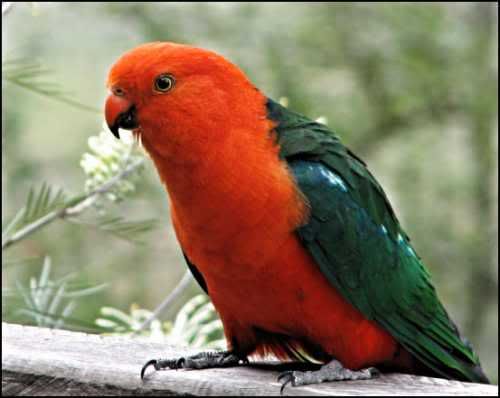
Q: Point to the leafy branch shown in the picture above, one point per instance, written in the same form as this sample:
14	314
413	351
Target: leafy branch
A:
50	302
126	230
27	74
32	76
110	167
195	325
71	208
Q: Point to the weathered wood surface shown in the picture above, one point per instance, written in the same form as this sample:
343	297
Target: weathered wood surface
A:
39	361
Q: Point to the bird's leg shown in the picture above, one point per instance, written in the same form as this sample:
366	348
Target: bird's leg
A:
203	360
332	371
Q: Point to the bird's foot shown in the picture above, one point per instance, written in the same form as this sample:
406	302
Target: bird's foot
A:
332	371
203	360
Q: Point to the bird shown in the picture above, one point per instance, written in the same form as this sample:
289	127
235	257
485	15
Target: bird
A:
285	228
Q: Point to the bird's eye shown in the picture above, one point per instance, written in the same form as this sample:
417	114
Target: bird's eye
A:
118	91
164	83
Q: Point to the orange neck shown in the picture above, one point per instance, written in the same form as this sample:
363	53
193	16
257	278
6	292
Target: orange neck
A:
223	190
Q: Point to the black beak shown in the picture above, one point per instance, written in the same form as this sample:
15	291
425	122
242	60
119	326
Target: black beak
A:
126	120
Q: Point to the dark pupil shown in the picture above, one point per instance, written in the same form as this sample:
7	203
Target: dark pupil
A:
163	83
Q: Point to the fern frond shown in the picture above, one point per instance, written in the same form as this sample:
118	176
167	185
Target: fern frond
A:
9	262
73	290
127	230
49	302
42	202
39	204
12	225
28	74
60	320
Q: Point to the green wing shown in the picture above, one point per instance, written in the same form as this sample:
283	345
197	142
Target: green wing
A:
357	242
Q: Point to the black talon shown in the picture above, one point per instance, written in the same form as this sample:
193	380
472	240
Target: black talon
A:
289	379
153	362
283	374
179	363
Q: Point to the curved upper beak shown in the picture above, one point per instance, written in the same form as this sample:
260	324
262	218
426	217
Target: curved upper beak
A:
120	113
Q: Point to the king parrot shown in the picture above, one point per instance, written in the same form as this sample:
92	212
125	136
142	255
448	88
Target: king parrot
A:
285	229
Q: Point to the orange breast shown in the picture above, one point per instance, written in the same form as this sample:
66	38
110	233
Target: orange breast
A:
259	276
289	295
235	207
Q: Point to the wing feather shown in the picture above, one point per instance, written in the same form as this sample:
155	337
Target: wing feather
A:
357	242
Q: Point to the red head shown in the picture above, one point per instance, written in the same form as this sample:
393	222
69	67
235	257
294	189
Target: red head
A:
206	128
180	98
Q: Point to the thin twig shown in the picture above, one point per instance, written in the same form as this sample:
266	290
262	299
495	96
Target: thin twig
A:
179	289
56	97
71	208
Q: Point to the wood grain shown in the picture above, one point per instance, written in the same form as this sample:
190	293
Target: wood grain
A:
39	361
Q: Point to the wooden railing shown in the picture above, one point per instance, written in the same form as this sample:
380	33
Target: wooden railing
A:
39	361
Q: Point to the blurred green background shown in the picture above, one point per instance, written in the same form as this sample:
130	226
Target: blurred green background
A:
411	88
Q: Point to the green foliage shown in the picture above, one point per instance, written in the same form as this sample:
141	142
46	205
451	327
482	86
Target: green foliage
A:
117	322
38	205
196	324
110	169
41	203
131	231
50	302
32	76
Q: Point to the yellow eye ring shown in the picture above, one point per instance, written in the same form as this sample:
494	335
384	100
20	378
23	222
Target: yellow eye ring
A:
164	83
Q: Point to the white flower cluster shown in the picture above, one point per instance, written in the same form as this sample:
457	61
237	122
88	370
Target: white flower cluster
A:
108	157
